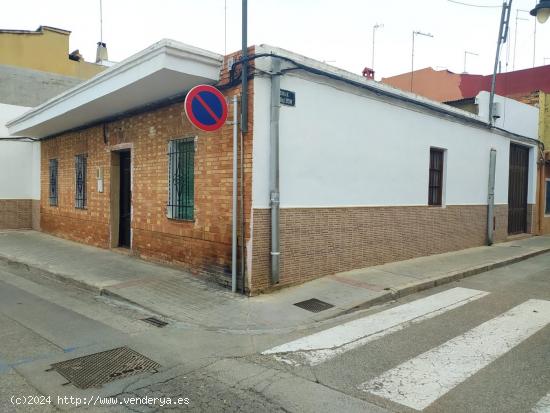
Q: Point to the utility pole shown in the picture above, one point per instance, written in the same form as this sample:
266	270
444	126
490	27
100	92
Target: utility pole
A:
502	36
414	33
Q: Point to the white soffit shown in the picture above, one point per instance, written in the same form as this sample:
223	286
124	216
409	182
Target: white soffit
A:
163	70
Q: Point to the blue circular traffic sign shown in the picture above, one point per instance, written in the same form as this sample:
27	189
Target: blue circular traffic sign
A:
206	108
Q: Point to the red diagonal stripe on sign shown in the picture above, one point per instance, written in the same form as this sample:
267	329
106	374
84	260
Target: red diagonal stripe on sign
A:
205	106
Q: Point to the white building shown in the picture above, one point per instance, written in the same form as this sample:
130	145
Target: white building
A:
367	174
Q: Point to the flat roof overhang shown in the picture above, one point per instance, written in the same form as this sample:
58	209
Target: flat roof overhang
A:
161	71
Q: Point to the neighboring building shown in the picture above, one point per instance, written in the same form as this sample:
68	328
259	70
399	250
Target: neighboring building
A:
438	85
368	174
446	86
529	86
34	67
46	50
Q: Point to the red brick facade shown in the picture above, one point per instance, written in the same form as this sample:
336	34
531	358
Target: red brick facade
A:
202	245
16	214
321	241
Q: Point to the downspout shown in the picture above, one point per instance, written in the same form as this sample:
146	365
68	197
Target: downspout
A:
491	198
274	193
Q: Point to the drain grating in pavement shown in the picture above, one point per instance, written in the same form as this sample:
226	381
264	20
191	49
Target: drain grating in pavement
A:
155	321
314	305
96	369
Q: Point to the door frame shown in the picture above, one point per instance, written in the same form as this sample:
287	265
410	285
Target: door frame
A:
114	193
524	185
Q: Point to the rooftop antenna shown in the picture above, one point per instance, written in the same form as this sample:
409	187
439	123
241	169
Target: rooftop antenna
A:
101	21
516	35
414	34
466	53
225	28
374	28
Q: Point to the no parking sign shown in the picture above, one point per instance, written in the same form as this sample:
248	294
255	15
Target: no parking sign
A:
206	108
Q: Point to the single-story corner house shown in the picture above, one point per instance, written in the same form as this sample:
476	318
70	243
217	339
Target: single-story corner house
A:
336	171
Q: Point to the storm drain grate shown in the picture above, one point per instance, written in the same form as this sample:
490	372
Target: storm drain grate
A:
155	321
96	369
314	305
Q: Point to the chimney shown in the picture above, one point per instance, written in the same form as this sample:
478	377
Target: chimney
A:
368	73
101	53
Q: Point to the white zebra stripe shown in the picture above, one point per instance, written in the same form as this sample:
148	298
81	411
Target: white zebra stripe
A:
329	343
417	383
543	405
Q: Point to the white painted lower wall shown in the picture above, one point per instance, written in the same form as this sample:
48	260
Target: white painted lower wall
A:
19	161
341	147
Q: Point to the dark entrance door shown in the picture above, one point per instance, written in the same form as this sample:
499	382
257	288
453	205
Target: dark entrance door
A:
125	200
517	189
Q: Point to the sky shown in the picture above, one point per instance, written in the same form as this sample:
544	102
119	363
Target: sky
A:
337	32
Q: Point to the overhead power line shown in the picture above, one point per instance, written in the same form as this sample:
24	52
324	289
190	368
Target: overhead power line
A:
475	5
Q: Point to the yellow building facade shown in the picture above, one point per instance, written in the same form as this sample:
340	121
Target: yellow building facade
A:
47	50
543	201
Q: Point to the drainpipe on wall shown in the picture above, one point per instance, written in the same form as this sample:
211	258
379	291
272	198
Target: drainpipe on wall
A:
234	201
491	198
274	193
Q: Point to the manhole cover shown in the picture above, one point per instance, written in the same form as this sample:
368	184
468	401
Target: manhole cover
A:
314	305
100	368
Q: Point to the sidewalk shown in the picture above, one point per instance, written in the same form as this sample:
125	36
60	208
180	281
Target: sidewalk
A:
183	298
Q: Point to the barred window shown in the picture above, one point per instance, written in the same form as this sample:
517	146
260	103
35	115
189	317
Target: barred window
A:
181	179
53	182
435	190
80	180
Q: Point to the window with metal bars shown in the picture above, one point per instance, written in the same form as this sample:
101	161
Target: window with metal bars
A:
181	179
53	182
435	189
80	180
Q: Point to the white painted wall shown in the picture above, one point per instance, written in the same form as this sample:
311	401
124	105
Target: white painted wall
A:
340	147
19	161
515	117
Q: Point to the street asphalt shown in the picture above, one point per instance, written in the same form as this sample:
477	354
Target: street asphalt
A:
491	352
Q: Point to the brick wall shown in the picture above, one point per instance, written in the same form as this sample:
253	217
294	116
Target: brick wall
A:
203	245
320	241
15	213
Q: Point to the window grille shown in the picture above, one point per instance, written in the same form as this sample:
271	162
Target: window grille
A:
435	190
547	206
53	182
181	183
80	193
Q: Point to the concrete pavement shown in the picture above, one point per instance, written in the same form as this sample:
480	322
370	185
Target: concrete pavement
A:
183	298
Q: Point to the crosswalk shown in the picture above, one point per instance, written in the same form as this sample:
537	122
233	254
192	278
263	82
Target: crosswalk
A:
420	381
543	405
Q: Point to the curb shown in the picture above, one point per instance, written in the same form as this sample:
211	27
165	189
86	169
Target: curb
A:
438	280
36	270
392	294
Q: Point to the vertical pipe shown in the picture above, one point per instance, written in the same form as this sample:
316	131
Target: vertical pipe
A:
234	206
502	34
243	231
274	168
491	197
244	96
373	44
412	63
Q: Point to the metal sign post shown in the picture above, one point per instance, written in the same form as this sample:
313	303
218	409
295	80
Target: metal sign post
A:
234	203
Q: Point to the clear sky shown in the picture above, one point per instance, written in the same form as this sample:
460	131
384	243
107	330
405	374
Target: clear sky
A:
339	32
